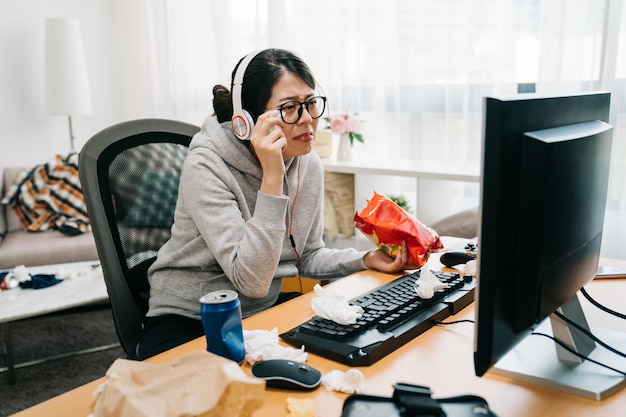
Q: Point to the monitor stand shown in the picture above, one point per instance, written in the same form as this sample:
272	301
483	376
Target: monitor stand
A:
535	359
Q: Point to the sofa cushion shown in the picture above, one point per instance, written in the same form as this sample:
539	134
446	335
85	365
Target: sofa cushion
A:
462	224
45	248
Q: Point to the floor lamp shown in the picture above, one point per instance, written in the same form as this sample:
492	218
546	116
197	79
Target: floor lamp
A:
66	80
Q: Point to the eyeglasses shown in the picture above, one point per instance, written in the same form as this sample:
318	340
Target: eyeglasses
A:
291	111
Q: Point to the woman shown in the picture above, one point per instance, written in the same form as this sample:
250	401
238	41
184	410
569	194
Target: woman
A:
249	212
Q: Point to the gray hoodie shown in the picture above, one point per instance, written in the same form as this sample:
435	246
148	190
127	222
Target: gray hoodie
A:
229	235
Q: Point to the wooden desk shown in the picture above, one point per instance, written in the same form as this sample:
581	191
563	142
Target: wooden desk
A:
441	358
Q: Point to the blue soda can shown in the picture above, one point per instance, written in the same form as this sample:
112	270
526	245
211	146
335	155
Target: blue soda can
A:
221	319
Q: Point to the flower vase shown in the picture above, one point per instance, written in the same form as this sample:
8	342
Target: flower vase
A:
344	151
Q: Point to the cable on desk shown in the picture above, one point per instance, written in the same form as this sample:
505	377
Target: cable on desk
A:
589	334
600	306
572	351
453	322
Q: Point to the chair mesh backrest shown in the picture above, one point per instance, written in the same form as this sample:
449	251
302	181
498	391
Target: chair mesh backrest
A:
129	174
143	187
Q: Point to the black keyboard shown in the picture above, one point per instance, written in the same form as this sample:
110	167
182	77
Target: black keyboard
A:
393	315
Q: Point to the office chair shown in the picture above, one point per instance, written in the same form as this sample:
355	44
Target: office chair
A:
129	175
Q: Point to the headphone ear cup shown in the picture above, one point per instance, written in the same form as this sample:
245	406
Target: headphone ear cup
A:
242	124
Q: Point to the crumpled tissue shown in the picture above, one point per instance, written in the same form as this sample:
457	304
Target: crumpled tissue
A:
427	284
334	307
470	268
263	344
21	273
349	382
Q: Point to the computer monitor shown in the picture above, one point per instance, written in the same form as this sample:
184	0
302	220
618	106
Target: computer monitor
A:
545	173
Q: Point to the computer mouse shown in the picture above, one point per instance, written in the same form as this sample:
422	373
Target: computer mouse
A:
287	374
451	259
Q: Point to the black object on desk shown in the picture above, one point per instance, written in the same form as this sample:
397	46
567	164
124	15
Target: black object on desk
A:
287	374
412	401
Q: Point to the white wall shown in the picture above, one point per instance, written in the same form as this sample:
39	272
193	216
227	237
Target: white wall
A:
30	136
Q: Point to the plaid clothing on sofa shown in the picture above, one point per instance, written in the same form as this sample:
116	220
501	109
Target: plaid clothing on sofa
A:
49	196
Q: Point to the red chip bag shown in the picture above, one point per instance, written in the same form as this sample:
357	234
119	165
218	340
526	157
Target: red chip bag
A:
387	225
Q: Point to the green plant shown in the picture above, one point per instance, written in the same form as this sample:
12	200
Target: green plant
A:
401	201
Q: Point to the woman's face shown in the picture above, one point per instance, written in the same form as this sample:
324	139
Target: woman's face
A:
301	134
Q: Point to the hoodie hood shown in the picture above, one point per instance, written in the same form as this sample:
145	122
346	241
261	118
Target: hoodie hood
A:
220	139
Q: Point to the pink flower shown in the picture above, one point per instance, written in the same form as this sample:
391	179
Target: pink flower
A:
338	125
353	124
346	123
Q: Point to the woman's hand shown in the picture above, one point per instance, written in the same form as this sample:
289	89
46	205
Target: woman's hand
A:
268	142
380	261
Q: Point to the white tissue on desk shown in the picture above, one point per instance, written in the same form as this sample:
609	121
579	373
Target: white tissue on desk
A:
349	382
334	307
470	268
261	345
427	284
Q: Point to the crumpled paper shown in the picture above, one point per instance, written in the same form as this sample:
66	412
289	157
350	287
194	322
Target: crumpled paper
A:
263	344
427	284
349	382
198	384
334	307
300	407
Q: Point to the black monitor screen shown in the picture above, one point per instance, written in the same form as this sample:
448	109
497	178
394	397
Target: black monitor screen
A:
543	198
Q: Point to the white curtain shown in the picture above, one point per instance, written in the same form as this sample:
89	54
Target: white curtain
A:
415	71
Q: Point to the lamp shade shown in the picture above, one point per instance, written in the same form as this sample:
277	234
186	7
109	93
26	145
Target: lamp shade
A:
66	82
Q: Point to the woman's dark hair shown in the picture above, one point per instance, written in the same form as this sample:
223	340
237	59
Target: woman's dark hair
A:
259	80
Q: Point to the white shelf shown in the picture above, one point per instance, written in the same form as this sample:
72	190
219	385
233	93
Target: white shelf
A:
437	170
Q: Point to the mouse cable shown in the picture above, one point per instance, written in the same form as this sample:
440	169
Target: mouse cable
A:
600	306
572	351
588	333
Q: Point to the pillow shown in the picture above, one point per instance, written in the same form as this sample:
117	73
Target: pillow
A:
156	200
462	224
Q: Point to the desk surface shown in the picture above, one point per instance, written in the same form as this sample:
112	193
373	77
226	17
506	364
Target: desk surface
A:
441	358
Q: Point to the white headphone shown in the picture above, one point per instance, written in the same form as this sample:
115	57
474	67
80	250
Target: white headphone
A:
242	122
